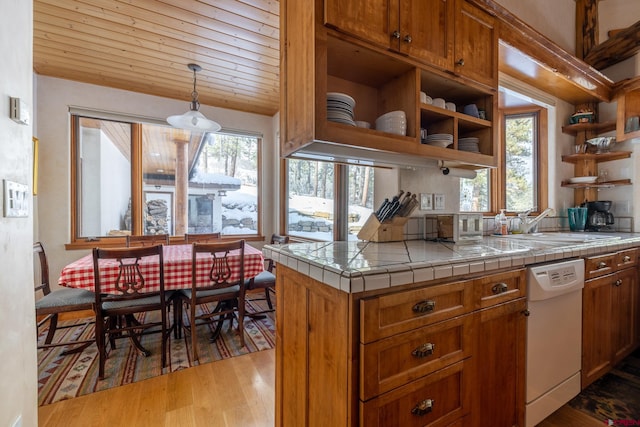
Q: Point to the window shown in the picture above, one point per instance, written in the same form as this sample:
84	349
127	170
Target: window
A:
521	157
519	184
474	193
316	191
146	178
360	183
310	209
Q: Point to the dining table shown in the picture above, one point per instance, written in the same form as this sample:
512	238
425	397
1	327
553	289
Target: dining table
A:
177	269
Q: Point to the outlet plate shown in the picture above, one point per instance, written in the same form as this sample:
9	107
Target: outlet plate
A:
438	202
426	201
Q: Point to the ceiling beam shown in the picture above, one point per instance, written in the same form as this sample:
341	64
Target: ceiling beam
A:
586	27
617	48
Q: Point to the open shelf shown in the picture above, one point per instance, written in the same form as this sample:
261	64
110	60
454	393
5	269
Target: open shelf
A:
607	184
597	157
596	128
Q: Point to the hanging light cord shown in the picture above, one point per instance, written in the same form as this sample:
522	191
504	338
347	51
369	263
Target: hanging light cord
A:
195	104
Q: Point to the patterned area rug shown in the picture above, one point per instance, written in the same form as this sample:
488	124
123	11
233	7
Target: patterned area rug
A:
65	377
614	398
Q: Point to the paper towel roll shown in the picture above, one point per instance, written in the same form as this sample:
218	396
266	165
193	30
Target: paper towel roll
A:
460	173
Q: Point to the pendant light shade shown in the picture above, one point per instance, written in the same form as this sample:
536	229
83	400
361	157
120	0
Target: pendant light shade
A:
194	119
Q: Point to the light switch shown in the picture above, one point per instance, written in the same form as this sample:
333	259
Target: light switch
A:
438	201
18	111
16	200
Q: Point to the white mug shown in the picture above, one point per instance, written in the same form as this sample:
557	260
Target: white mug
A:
439	102
450	106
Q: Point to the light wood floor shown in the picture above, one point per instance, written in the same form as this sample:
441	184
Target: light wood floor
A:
236	392
232	392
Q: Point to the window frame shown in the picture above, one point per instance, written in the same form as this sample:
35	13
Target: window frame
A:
137	190
498	176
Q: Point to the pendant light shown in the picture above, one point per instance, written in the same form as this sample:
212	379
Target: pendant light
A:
194	119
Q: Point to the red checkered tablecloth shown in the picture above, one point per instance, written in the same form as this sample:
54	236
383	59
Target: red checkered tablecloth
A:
177	269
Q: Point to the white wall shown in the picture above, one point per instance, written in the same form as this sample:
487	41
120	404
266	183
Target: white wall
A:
553	18
18	364
616	14
54	98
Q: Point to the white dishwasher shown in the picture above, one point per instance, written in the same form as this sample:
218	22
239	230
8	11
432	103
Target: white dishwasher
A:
554	337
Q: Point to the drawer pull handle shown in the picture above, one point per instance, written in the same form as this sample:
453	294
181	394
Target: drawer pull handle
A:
424	306
602	265
626	258
408	38
499	288
460	62
618	282
424	350
395	34
423	408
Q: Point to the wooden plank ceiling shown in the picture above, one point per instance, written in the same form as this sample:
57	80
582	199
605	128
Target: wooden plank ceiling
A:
145	45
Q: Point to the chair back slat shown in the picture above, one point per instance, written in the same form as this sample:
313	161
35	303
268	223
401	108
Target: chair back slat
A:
219	269
130	281
202	238
41	279
148	240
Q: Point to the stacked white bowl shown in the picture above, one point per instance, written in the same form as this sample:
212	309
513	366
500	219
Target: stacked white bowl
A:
468	144
392	122
442	140
340	108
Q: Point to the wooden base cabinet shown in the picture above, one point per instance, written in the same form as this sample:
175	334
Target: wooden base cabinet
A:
445	354
499	395
609	312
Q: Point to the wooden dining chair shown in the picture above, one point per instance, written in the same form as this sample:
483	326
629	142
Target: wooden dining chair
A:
49	304
202	238
136	290
267	279
148	240
217	287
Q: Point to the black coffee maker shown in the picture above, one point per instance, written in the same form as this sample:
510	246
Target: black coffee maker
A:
598	216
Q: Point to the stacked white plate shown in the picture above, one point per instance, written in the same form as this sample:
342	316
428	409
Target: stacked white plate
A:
340	108
468	144
439	139
392	122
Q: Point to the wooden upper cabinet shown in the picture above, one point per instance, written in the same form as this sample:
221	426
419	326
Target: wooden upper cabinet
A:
427	31
476	44
375	21
421	29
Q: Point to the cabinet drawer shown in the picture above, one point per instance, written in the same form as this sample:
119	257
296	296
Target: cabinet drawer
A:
388	315
498	288
626	258
398	360
438	399
596	266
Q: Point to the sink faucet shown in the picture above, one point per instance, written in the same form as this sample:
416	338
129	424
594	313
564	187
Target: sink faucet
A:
526	224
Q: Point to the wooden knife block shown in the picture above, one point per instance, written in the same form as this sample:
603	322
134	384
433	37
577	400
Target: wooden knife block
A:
388	231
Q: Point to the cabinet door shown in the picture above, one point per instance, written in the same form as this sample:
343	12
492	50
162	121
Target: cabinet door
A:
427	31
500	365
476	44
596	328
622	311
375	21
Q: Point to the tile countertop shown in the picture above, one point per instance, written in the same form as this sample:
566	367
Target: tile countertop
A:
363	266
